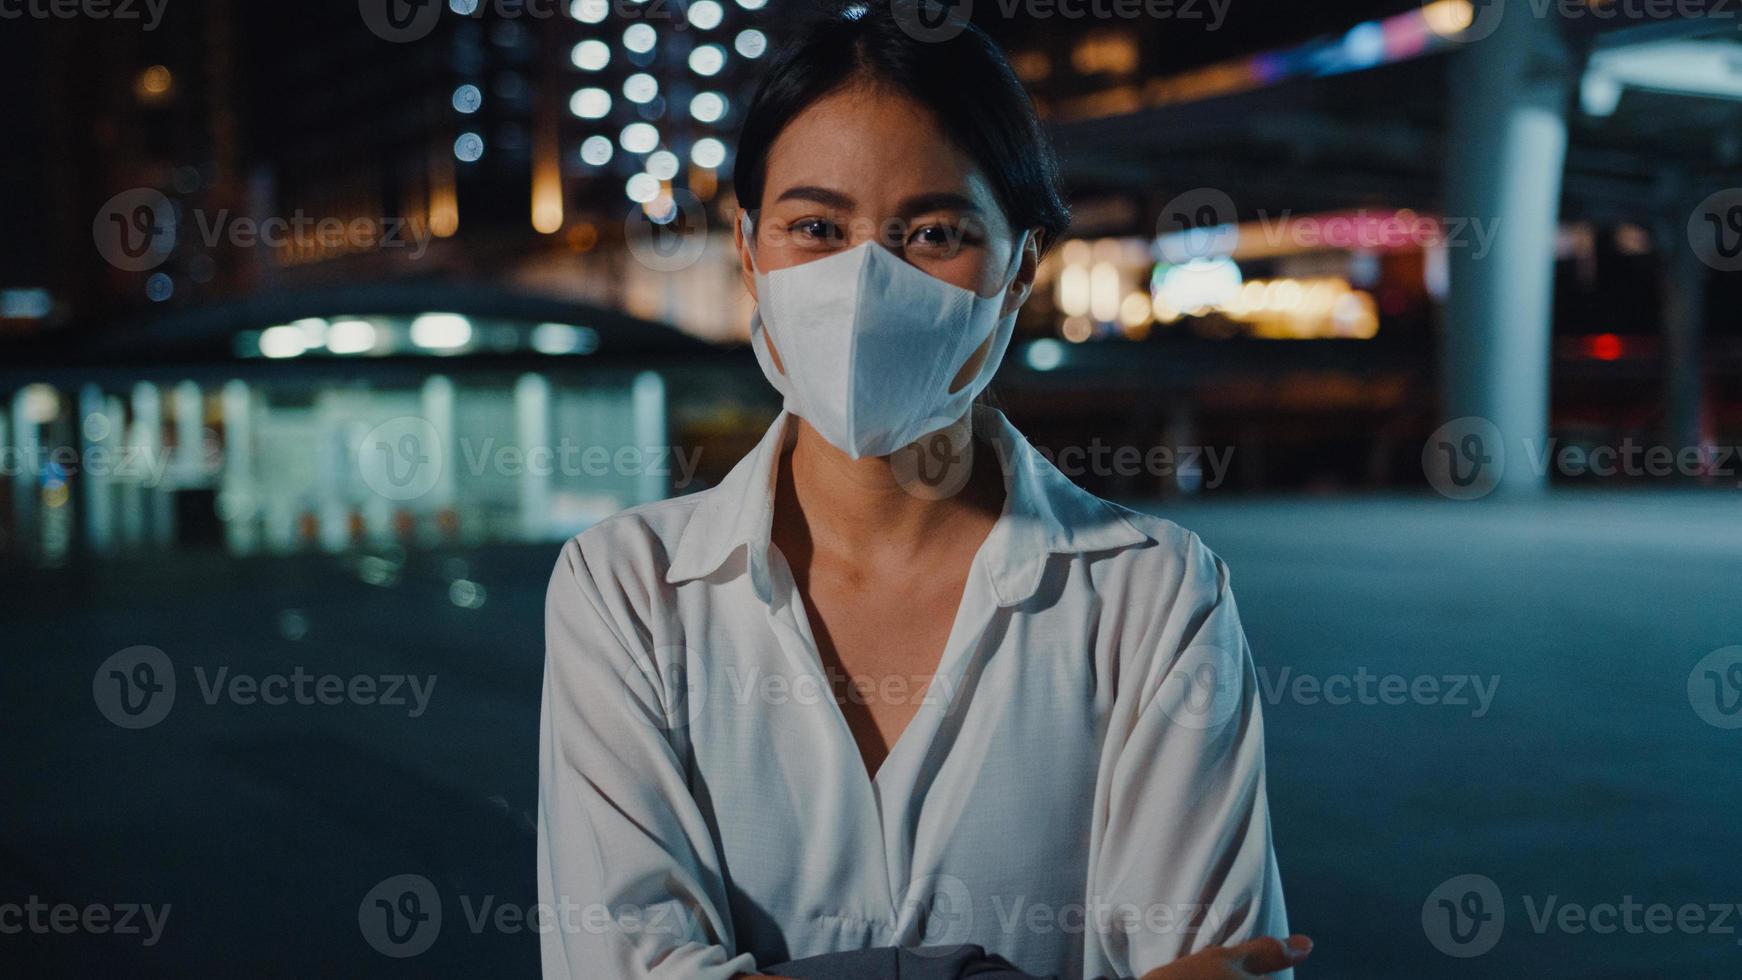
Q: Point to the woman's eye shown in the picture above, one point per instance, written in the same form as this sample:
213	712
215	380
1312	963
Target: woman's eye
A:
937	239
816	230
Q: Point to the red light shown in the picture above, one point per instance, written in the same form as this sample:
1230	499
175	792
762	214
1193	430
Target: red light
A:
1605	347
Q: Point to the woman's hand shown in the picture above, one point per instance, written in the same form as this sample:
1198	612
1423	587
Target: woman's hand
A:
1258	958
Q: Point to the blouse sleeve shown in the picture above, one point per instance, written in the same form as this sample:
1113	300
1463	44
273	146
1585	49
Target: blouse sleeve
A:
627	869
1184	859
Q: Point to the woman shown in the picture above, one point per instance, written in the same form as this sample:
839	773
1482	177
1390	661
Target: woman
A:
896	682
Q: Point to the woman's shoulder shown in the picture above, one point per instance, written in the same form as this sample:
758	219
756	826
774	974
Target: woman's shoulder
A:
632	546
1159	595
1172	550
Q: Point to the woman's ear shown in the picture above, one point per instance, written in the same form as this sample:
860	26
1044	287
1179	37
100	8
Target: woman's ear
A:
746	263
743	237
1026	267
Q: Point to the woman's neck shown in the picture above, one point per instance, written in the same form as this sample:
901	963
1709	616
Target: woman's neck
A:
904	505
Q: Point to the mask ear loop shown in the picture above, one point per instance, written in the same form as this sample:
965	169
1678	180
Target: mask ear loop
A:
758	329
1015	265
1008	280
749	229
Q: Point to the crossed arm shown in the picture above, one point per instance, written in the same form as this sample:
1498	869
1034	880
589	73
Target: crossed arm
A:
1246	961
618	825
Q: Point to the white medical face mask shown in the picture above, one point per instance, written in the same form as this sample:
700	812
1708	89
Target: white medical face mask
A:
870	344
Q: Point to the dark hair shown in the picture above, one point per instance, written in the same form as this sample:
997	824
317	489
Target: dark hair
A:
963	79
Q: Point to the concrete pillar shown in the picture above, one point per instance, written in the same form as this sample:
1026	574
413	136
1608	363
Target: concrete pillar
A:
156	507
532	428
101	433
648	396
441	502
1505	154
239	498
1684	318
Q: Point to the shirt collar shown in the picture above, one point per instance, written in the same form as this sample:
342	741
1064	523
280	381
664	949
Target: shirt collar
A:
1044	514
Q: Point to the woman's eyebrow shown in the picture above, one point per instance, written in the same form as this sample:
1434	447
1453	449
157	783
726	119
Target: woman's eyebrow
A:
821	195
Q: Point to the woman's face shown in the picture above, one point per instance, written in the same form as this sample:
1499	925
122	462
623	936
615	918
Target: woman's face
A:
865	164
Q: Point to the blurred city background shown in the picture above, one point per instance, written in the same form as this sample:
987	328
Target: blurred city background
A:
322	324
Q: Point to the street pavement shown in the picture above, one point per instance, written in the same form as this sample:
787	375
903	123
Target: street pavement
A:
1486	758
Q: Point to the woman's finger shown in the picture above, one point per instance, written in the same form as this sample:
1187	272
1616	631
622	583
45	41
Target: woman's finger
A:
1267	954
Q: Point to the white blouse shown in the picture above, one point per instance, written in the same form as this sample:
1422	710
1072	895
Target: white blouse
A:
1081	789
